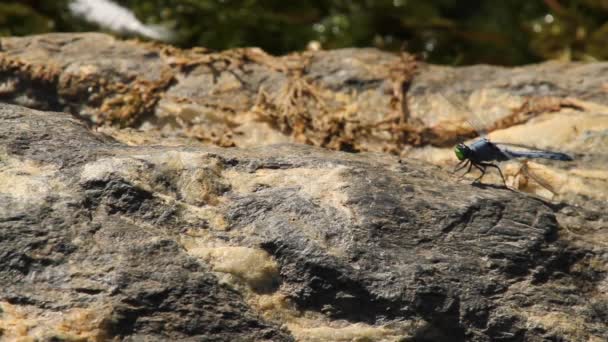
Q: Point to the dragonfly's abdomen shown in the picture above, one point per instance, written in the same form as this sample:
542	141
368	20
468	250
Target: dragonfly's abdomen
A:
540	154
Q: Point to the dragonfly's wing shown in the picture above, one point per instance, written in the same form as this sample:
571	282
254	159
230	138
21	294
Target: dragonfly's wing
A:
478	126
459	106
525	173
481	109
488	107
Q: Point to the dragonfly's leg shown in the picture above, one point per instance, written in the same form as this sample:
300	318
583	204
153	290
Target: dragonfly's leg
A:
470	164
469	169
497	168
466	163
458	166
481	168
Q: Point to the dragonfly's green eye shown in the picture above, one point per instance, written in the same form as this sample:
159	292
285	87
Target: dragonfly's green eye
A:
459	152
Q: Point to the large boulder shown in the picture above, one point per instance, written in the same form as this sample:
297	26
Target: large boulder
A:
102	240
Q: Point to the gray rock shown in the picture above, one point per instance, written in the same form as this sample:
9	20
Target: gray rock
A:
100	249
103	240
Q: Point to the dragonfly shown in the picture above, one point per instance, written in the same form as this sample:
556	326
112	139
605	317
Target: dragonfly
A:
483	153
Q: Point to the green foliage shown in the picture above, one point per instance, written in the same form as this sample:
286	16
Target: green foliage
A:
19	19
443	31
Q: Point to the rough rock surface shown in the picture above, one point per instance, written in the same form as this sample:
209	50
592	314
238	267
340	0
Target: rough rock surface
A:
85	254
144	231
349	100
103	240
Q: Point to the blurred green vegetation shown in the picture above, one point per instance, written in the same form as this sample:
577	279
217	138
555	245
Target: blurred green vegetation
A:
457	32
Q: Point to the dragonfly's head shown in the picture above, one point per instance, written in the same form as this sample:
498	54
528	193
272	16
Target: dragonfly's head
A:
462	151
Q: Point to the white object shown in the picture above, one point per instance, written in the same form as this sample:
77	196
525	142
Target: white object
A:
114	17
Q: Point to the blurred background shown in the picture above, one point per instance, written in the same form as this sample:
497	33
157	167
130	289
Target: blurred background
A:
453	32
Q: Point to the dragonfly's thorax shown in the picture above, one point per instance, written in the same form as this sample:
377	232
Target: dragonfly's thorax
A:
483	150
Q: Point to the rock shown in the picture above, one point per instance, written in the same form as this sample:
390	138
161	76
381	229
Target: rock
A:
86	254
239	97
348	100
100	240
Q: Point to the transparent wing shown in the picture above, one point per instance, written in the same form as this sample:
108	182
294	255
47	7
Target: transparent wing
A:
478	126
482	109
488	107
526	171
458	105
